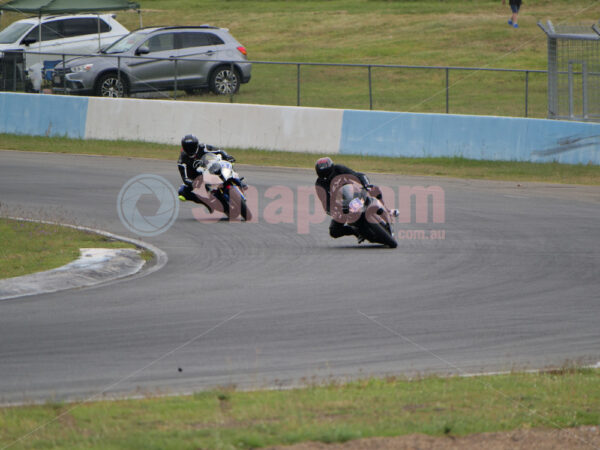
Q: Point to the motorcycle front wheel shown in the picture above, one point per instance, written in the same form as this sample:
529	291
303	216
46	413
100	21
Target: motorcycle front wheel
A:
237	205
380	234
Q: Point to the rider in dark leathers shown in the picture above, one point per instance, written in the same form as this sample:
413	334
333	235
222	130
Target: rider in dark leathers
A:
188	163
327	172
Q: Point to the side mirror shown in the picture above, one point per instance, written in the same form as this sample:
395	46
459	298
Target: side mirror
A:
28	41
143	50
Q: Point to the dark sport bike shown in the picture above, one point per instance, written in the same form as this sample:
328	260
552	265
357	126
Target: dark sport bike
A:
361	209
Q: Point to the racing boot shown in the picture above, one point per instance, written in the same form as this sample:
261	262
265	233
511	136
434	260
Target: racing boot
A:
206	205
185	193
356	233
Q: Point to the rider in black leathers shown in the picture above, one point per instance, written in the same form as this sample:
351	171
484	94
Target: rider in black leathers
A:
327	172
189	160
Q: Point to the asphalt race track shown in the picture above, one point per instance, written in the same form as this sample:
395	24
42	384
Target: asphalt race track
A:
511	281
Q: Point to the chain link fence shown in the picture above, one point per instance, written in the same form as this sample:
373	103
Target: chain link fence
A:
573	72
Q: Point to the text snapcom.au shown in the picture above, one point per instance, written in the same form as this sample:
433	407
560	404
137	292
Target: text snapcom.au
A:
302	206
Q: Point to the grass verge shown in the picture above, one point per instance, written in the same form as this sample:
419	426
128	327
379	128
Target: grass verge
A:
226	418
442	167
29	247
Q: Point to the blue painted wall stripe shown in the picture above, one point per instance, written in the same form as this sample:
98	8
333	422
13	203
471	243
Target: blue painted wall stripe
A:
474	137
43	115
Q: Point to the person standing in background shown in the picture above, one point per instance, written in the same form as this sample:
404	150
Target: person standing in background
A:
515	6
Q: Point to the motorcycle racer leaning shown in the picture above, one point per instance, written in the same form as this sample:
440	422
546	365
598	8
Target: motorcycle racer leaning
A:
189	167
327	172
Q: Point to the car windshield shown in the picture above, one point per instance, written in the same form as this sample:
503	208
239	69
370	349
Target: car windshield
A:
127	42
13	32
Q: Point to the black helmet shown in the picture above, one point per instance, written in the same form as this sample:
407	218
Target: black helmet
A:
189	144
323	167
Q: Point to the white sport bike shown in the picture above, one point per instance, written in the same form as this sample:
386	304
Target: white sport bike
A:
225	186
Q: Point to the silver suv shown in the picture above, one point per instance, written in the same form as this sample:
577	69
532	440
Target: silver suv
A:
159	58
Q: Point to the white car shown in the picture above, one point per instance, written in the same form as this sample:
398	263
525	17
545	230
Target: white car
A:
67	34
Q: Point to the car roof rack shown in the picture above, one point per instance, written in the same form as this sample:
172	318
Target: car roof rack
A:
56	16
176	27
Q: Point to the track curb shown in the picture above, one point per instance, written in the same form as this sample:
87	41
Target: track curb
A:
159	261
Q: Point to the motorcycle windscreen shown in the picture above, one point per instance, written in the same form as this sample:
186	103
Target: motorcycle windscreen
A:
210	158
351	195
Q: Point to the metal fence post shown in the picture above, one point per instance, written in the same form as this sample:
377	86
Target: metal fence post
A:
64	78
571	106
298	88
370	91
175	90
447	90
526	92
584	89
119	69
15	74
239	81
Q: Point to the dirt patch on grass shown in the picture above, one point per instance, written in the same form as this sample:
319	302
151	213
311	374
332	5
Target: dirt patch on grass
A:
582	438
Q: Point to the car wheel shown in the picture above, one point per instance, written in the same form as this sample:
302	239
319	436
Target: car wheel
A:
110	85
225	81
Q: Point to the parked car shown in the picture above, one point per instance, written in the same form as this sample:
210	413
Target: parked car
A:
75	34
160	58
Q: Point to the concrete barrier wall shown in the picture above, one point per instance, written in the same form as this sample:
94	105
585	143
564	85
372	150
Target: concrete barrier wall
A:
227	125
316	130
473	137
